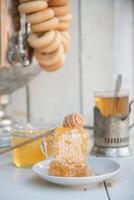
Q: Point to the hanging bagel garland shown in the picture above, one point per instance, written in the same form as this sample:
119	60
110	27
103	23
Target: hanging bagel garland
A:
49	20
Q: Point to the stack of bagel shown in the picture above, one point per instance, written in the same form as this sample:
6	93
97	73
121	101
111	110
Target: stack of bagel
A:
49	20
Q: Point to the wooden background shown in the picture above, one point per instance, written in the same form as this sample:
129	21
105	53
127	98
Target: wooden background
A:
101	47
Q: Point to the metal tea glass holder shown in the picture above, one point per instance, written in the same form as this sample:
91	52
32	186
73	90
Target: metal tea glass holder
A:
111	134
111	123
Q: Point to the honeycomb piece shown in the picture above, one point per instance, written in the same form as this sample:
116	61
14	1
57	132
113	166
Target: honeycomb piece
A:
70	153
66	168
71	144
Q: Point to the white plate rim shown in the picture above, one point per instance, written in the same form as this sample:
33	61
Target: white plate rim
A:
93	177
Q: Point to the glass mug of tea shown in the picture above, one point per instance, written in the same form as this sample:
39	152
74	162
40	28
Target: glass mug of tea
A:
111	123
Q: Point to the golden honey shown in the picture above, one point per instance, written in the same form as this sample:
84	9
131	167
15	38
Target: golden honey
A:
29	154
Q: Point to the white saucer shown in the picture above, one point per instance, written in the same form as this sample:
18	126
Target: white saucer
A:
100	169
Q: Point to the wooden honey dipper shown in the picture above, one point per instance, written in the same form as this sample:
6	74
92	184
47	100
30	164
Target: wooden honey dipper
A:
74	120
27	142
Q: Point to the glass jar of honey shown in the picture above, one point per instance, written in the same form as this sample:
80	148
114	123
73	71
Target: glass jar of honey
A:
28	154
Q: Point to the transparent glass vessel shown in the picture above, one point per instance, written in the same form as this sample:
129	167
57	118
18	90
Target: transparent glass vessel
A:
29	154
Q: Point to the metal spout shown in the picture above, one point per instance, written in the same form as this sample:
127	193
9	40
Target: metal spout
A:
13	34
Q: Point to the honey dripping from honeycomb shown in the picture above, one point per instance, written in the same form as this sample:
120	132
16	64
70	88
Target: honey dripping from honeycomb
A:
70	149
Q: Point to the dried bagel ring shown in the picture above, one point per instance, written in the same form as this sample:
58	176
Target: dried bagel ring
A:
54	44
54	67
24	1
61	10
65	43
45	26
65	34
63	26
40	41
40	16
58	2
65	18
33	6
49	21
50	59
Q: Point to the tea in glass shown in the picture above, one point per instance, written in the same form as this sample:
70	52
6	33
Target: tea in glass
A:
110	103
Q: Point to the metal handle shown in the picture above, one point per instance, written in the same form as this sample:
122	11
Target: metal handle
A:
44	148
130	105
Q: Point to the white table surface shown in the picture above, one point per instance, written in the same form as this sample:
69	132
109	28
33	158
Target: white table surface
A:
23	184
